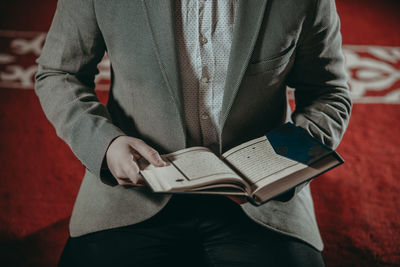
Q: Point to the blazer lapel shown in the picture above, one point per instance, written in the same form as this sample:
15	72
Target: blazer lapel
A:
161	20
249	15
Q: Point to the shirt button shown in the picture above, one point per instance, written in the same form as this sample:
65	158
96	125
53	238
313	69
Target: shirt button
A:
204	116
204	80
204	40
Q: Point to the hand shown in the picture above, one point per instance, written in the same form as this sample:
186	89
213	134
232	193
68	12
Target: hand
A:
122	156
237	199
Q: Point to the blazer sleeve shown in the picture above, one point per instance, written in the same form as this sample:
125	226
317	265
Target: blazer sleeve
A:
65	83
322	97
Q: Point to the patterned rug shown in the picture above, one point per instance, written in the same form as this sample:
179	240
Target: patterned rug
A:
357	204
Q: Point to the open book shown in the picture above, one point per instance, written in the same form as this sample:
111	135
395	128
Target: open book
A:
259	169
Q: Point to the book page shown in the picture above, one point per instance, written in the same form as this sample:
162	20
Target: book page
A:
198	163
191	169
295	176
256	159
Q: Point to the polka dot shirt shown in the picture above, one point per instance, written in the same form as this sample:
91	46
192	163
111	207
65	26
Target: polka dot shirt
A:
203	38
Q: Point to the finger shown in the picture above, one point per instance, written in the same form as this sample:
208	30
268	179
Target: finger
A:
141	181
131	166
135	178
131	170
149	153
136	155
126	171
124	181
127	182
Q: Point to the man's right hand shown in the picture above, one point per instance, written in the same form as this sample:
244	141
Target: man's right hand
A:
122	156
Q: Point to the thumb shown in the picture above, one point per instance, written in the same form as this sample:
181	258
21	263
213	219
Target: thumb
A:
149	153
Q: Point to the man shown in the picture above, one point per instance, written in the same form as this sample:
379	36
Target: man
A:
186	73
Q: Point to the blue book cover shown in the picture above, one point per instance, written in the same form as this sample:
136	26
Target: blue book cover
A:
295	143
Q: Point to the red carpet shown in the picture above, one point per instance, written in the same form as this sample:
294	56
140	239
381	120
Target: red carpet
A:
357	204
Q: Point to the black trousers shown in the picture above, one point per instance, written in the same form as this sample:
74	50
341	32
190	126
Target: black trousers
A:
192	230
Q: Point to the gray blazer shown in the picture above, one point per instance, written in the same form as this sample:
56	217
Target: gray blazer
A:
276	43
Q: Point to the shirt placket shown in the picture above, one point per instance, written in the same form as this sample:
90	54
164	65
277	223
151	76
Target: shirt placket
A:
206	85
